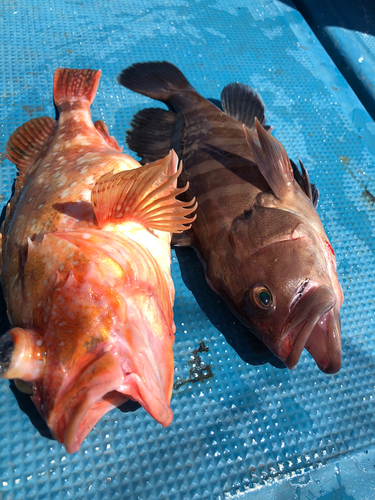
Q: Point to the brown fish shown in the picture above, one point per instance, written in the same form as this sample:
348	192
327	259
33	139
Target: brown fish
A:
257	232
86	268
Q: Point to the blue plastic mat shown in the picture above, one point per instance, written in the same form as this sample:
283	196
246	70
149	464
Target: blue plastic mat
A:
240	430
346	28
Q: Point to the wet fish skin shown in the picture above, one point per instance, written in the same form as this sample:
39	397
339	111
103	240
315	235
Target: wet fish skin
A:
257	230
86	268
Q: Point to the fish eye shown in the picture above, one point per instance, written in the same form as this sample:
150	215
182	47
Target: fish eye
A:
261	297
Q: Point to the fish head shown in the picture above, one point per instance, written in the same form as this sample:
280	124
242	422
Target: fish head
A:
101	335
282	283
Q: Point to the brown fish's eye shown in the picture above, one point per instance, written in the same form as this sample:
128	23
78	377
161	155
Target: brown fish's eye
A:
261	297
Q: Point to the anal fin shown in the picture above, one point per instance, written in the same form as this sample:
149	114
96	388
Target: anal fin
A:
146	195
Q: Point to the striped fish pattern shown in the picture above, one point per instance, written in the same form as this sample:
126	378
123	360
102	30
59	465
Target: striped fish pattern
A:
257	230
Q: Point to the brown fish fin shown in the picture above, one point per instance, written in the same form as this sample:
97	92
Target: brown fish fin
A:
145	195
160	80
75	85
242	103
184	239
102	128
27	141
272	161
150	135
303	180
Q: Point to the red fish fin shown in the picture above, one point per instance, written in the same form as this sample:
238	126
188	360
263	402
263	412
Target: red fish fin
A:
102	128
28	140
75	85
145	195
272	161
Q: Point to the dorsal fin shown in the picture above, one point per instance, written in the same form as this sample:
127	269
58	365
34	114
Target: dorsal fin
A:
272	161
102	128
145	195
242	103
28	140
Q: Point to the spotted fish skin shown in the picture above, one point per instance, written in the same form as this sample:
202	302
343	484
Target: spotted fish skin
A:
257	231
86	268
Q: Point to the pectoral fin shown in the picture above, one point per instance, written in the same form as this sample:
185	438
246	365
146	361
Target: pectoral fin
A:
272	161
146	195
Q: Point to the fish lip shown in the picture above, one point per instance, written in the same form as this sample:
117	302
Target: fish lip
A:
100	388
318	304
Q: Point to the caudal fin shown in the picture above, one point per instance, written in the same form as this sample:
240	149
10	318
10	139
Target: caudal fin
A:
72	85
158	80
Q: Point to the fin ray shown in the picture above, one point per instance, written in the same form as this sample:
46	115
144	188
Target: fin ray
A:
27	141
272	161
243	103
158	80
312	192
131	194
75	85
150	133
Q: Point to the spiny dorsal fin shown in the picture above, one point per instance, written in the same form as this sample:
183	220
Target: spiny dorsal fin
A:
144	195
102	128
272	161
28	140
242	103
70	85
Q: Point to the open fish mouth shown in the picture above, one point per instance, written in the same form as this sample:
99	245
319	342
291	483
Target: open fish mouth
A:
100	388
315	326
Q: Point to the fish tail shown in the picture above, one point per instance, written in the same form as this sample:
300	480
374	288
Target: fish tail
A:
158	80
75	85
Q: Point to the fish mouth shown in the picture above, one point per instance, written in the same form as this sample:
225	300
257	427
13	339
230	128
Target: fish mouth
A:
100	388
315	326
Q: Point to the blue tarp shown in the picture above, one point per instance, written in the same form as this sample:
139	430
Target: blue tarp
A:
252	429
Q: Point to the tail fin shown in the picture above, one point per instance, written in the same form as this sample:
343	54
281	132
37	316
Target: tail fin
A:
75	85
158	80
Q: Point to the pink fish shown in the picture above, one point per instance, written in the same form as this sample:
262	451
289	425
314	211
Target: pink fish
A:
86	268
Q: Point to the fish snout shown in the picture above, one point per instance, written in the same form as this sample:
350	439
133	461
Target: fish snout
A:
315	326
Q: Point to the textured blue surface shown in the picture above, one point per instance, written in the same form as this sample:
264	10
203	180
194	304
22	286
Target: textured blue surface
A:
248	431
346	28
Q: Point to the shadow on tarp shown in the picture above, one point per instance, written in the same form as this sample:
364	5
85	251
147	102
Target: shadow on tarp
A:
246	345
338	25
354	15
